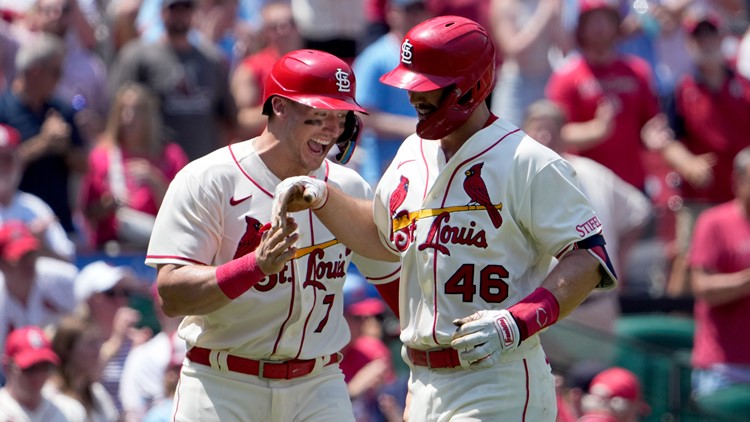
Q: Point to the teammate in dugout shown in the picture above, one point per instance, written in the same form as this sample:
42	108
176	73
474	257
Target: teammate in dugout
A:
477	213
263	305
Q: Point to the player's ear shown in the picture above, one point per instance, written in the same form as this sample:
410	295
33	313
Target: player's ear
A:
279	105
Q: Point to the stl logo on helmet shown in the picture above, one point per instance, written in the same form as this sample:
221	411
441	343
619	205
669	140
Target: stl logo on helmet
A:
342	81
406	54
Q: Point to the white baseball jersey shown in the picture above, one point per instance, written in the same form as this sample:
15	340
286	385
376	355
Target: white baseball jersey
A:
458	254
211	214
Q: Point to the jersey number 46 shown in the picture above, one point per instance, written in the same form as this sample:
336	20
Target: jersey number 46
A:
492	286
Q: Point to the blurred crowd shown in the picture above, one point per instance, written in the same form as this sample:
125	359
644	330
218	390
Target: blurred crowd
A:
102	102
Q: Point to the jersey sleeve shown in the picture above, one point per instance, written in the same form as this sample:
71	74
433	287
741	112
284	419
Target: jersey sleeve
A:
381	214
377	272
188	226
374	271
557	222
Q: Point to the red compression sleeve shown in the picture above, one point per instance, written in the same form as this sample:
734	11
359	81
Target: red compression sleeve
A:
238	275
538	310
389	293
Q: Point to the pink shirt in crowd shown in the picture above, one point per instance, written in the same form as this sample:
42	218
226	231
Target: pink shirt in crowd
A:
140	196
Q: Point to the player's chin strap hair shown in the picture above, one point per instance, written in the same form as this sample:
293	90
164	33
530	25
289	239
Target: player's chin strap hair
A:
482	337
347	142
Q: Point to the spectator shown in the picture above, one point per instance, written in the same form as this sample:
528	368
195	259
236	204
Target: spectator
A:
27	362
620	207
392	118
191	82
105	290
606	97
333	26
220	26
376	25
572	386
25	207
280	36
527	35
8	50
476	10
147	375
129	171
151	27
51	147
710	119
651	30
719	260
34	290
367	364
161	411
614	396
77	342
84	76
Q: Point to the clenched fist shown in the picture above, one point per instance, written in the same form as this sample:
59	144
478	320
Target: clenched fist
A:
297	194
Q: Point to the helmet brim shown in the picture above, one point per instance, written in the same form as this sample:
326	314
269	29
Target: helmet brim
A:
328	103
403	78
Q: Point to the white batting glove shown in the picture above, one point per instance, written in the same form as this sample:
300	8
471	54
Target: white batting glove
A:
296	194
483	336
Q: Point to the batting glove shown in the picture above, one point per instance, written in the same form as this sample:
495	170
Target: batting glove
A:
296	194
483	336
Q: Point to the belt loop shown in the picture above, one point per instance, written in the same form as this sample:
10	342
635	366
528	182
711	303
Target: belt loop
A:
213	359
261	366
221	360
429	362
321	362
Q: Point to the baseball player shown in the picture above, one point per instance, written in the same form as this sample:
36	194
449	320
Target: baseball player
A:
478	213
263	305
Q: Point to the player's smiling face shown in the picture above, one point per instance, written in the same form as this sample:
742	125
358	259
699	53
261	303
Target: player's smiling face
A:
426	103
313	132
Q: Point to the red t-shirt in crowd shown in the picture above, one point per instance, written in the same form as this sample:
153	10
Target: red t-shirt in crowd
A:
578	87
713	121
260	64
363	350
721	244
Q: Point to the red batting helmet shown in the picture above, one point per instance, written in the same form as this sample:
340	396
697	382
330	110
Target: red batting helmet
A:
446	51
313	78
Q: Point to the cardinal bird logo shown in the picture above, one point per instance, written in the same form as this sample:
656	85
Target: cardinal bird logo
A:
251	239
477	191
399	195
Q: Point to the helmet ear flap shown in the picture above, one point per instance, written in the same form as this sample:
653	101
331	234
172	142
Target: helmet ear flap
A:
347	142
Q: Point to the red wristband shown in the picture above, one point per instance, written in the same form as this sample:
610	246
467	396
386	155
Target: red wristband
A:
538	310
239	275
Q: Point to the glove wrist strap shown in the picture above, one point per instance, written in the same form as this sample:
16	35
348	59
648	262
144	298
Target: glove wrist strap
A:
324	200
238	275
536	311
